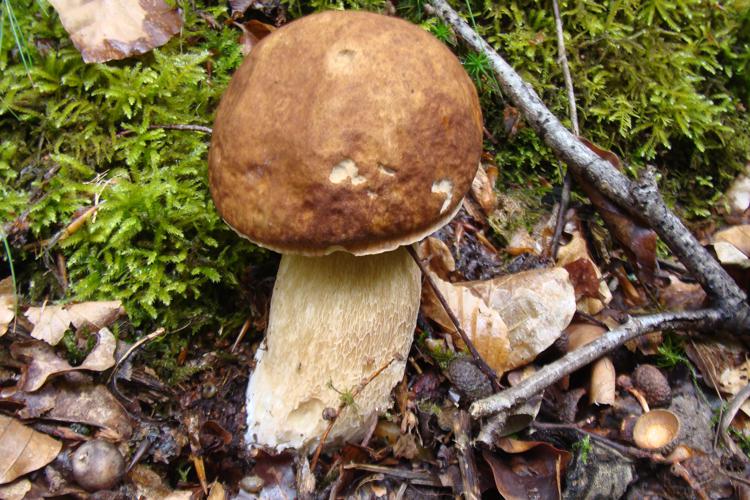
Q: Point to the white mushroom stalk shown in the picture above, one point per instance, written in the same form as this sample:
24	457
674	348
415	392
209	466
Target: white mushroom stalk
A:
334	321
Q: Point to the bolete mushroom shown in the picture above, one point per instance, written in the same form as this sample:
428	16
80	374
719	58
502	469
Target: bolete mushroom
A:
342	137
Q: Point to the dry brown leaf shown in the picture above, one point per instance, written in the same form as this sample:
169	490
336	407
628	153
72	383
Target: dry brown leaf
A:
535	305
738	194
23	450
51	321
577	249
437	257
148	484
681	296
737	236
7	304
217	491
533	471
482	188
510	319
584	276
253	32
80	403
43	362
521	242
482	324
103	30
16	490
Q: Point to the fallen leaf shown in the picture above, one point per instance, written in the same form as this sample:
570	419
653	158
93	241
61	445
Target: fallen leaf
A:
533	470
729	254
217	491
535	305
7	304
437	257
510	319
482	188
103	30
16	490
23	450
681	296
738	236
148	484
253	32
521	242
578	249
44	362
52	321
583	274
738	194
482	324
724	364
511	121
79	403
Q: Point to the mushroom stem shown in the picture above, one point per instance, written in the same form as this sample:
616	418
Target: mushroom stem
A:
333	321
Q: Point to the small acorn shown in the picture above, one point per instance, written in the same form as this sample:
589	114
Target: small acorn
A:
653	384
468	378
98	465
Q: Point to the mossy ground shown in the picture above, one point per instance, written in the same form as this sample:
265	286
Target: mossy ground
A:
657	81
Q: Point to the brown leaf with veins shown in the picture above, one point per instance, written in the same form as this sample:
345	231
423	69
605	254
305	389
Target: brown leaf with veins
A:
583	275
534	469
23	450
103	30
44	362
52	321
82	403
253	32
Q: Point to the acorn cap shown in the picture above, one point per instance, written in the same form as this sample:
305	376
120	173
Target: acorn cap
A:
656	430
344	131
653	384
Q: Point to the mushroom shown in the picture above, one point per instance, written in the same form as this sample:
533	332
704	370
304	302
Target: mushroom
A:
656	430
342	137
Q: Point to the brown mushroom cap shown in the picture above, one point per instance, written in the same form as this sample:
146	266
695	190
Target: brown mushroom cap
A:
344	131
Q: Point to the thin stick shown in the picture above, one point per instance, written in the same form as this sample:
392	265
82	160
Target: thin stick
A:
456	324
573	110
174	126
113	376
466	463
241	335
639	198
341	407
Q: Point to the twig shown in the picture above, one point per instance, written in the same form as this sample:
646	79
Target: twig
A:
641	199
456	324
504	401
175	126
113	376
415	476
342	405
573	110
734	406
241	335
466	463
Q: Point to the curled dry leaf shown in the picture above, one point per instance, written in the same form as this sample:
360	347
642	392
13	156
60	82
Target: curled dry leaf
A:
482	188
534	470
510	319
51	321
253	32
103	30
738	195
437	257
80	403
149	484
482	324
575	250
43	362
737	237
724	364
7	304
23	450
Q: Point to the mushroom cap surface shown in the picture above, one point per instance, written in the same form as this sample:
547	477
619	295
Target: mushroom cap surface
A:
344	131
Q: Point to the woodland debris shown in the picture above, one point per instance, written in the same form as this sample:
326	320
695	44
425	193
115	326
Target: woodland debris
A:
22	449
653	384
7	304
97	465
52	321
103	30
656	430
